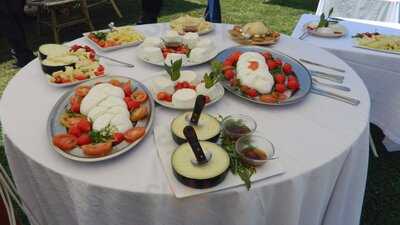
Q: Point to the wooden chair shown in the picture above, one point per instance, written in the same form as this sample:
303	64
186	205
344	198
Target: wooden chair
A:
92	3
59	7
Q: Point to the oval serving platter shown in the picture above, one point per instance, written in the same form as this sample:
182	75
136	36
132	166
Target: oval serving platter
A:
220	91
302	73
76	154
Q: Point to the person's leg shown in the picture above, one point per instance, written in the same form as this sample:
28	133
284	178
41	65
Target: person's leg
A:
11	21
150	11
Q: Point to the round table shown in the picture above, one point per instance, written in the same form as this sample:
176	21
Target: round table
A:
323	147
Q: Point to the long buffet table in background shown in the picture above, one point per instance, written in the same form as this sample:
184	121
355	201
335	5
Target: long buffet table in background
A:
379	71
323	147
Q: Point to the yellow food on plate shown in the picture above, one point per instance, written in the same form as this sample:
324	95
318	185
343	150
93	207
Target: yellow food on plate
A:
118	36
188	23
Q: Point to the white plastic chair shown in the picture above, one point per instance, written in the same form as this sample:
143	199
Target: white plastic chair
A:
376	10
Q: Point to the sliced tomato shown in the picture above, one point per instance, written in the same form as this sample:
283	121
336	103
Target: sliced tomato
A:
75	107
99	149
161	95
115	83
98	73
118	138
132	104
134	134
168	98
65	142
127	88
82	91
139	96
84	139
74	130
84	125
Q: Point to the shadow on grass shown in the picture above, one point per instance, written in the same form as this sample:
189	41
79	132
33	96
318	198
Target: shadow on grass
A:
309	5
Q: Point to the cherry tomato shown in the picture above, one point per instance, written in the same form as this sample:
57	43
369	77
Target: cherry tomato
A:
99	149
287	68
293	85
271	64
134	134
228	62
76	107
280	78
178	86
99	72
280	88
207	99
84	125
118	138
100	68
74	130
291	77
229	74
82	91
234	57
168	98
139	96
84	139
185	84
252	92
267	55
278	62
127	88
65	142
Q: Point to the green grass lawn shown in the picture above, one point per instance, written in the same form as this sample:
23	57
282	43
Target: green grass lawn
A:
383	188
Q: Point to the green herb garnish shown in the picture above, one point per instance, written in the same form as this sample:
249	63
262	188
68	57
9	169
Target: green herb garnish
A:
100	35
324	20
214	76
103	135
174	71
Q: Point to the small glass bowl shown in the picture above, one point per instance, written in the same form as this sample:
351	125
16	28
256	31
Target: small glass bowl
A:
258	142
249	122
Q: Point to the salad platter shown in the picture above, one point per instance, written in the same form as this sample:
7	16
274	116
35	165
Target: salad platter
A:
377	42
100	119
190	48
186	23
67	66
114	38
264	76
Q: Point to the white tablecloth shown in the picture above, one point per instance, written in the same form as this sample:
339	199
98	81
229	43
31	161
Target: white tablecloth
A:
323	145
379	71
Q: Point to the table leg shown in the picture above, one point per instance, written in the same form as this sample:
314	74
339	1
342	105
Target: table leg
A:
54	25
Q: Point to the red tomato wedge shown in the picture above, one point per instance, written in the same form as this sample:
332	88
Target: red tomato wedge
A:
82	91
127	88
100	149
84	139
84	125
65	142
134	134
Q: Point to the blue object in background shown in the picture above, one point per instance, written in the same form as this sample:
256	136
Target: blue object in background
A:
213	11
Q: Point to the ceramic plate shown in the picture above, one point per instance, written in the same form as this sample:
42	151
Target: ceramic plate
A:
334	30
302	73
54	126
219	93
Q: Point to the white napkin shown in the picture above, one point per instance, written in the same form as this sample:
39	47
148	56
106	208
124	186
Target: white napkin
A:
165	147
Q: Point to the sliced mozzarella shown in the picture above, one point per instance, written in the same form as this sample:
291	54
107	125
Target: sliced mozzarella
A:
111	101
153	54
96	112
112	90
263	85
115	110
188	76
172	57
152	42
190	39
121	122
102	122
198	54
163	83
202	90
184	98
172	37
91	101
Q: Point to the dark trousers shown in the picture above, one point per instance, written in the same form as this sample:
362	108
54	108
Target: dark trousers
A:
11	23
151	10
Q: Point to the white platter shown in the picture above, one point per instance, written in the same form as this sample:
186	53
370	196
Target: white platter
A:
332	28
356	44
206	59
148	83
125	45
